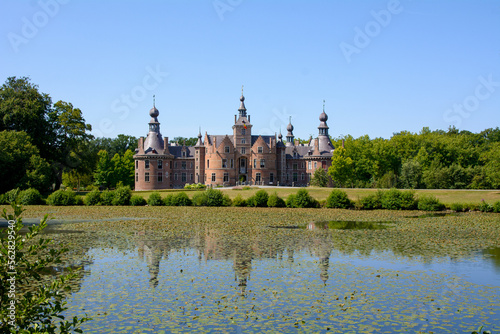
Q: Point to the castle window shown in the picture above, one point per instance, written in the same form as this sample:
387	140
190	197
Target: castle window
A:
166	175
184	154
260	149
137	164
295	166
136	177
191	165
302	165
226	149
271	178
262	163
191	177
160	177
295	177
160	164
224	163
243	151
183	165
146	177
196	166
146	164
208	163
175	177
315	165
243	131
213	177
309	176
231	163
197	151
309	165
243	141
295	155
302	176
257	177
183	177
175	164
254	163
226	177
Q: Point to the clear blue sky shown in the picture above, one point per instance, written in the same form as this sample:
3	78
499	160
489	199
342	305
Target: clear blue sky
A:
403	72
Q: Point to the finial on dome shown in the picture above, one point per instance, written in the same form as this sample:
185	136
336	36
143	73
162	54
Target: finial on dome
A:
154	101
154	112
323	105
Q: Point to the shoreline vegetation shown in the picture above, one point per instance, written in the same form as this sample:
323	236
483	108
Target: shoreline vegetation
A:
246	196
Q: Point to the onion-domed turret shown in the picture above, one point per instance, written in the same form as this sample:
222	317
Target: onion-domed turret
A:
289	135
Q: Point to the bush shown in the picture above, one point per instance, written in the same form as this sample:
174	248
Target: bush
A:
457	207
251	201
430	203
496	207
79	200
246	188
290	201
194	186
181	199
395	199
226	200
304	200
107	197
338	199
275	201
30	196
371	202
155	199
137	200
93	197
168	200
122	196
214	197
239	201
2	199
485	207
260	198
11	195
62	198
200	199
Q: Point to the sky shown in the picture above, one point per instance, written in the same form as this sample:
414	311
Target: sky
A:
380	66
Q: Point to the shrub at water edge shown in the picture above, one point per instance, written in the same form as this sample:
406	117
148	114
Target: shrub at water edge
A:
200	199
395	199
93	197
62	198
371	202
496	207
181	199
107	197
485	207
168	200
338	199
155	199
226	200
430	203
457	207
30	196
214	197
304	200
290	201
137	200
239	201
122	196
275	201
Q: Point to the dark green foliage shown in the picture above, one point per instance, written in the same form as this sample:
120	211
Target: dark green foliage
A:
107	197
457	207
275	201
122	196
137	200
260	198
338	199
41	306
181	199
93	197
30	196
250	201
239	201
200	199
430	203
395	199
290	201
320	178
155	199
496	207
214	197
304	200
226	200
11	195
371	202
2	199
62	198
485	207
168	200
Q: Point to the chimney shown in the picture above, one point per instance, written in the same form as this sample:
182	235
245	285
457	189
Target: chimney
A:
234	118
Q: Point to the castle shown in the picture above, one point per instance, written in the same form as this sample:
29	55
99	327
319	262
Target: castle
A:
229	160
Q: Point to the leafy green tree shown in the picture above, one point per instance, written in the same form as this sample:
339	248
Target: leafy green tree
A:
103	175
320	178
25	258
341	168
185	141
411	175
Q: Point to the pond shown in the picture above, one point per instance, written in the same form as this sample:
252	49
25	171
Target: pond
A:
229	272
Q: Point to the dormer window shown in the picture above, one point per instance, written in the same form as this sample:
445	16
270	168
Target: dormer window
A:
226	149
243	141
183	154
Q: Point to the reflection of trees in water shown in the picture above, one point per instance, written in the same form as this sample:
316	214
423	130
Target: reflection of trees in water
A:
493	255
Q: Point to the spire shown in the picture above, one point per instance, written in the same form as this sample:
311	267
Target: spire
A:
199	142
289	136
323	127
242	109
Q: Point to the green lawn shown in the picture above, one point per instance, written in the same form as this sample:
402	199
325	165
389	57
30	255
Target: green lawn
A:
444	195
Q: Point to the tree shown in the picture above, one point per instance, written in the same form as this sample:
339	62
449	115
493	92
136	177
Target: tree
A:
411	175
320	178
341	168
185	141
20	163
103	175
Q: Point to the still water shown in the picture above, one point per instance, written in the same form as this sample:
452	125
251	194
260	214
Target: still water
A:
324	277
